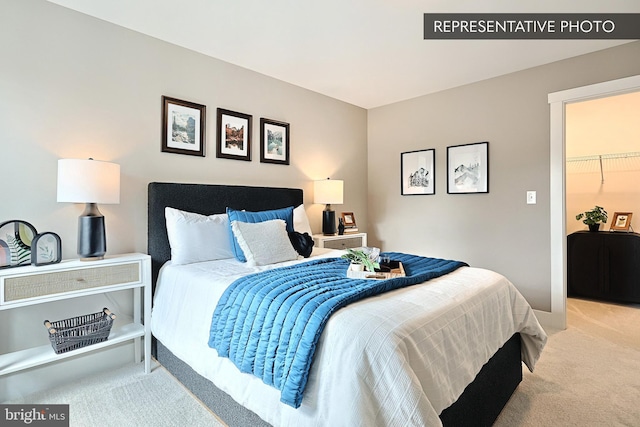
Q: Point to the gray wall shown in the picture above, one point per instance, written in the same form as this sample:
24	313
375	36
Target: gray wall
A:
73	86
497	230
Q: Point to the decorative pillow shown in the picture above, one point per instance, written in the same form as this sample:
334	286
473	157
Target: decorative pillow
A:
195	238
300	221
285	214
302	243
264	242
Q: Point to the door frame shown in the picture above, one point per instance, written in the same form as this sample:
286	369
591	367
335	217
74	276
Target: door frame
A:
557	318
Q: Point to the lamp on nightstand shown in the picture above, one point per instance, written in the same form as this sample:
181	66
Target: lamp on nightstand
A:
91	182
328	192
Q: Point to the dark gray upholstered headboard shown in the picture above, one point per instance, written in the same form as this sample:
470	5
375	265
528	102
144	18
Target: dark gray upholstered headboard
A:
207	200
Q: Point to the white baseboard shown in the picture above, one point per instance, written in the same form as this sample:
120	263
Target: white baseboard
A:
550	320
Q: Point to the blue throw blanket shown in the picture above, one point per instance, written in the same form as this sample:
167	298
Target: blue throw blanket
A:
269	323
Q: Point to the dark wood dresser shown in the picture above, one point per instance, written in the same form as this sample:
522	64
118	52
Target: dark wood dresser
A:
604	265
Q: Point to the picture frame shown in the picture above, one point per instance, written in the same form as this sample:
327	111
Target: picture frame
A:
468	168
274	142
418	172
621	221
349	221
234	135
16	237
183	127
46	248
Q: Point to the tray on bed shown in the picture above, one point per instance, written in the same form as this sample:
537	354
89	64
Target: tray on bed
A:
389	270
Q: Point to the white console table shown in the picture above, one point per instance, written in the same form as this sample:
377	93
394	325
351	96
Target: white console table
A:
30	285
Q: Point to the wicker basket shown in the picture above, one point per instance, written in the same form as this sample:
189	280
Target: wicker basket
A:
70	334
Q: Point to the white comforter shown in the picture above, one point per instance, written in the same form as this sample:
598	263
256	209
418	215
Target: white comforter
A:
397	359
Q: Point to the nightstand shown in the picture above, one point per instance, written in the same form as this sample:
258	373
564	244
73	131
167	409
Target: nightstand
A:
344	241
31	285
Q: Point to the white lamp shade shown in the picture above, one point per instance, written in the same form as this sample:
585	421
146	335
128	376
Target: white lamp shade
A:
328	191
88	181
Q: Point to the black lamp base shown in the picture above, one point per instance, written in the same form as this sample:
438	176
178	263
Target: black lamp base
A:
92	243
328	222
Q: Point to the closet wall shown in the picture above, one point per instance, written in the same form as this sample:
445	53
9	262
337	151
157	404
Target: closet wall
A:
603	158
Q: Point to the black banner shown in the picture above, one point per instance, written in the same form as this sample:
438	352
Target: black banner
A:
531	26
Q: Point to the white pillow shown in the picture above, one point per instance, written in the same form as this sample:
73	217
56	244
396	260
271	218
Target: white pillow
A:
195	238
301	221
264	242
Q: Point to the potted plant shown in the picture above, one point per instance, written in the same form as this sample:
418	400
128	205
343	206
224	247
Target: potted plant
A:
593	218
360	257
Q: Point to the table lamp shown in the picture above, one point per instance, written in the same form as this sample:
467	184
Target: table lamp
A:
91	182
327	192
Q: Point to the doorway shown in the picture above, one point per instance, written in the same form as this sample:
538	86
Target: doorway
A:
557	318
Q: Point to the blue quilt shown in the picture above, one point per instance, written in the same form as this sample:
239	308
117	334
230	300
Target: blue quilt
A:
268	323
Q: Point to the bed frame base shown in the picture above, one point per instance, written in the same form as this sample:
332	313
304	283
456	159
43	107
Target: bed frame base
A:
227	409
479	405
483	399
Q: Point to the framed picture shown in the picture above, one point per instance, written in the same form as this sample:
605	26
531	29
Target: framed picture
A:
621	221
234	135
418	172
274	142
349	221
183	127
468	168
15	243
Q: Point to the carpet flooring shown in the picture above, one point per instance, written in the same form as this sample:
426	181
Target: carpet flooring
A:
588	375
127	397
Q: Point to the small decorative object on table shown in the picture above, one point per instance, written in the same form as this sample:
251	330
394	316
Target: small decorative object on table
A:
349	220
593	218
340	227
15	243
46	249
71	334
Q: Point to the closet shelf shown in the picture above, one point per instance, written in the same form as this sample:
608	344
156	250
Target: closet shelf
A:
600	157
604	157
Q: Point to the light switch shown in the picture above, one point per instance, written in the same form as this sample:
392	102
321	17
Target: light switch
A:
531	197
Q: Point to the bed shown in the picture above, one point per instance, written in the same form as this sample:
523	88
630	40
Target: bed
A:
354	379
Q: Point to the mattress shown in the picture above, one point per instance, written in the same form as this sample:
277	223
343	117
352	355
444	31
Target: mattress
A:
397	359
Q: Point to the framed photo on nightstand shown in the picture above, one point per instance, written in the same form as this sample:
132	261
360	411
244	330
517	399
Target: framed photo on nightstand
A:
349	221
